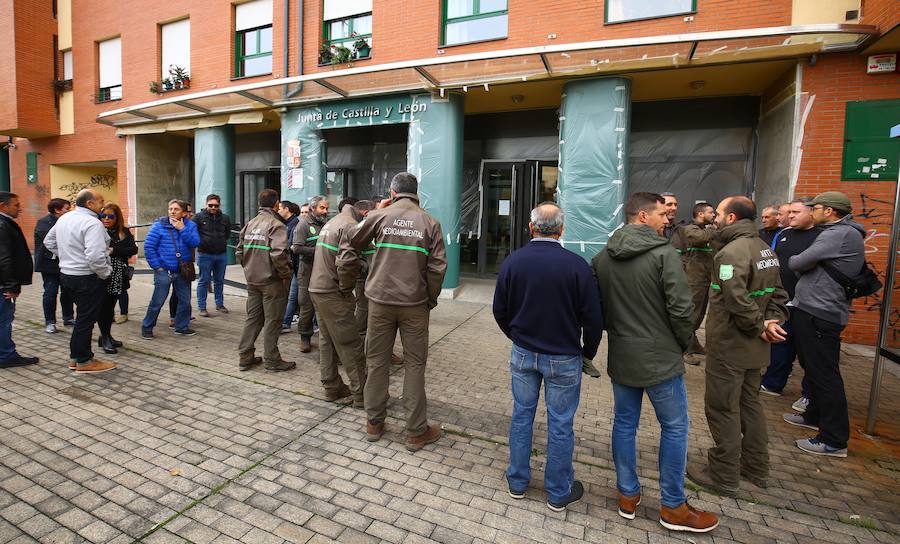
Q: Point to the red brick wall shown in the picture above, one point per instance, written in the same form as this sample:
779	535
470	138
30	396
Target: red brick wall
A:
882	13
834	80
410	29
26	63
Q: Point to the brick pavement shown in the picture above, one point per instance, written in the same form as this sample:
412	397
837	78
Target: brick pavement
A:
177	445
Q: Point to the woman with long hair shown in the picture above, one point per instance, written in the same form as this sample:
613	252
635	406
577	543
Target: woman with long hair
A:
121	248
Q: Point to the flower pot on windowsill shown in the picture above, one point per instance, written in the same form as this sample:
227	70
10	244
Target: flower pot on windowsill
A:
363	52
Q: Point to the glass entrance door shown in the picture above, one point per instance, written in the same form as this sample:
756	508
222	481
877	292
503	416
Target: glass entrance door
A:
498	232
252	182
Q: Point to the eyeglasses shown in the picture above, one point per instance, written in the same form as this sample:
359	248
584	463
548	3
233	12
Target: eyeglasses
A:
212	205
107	216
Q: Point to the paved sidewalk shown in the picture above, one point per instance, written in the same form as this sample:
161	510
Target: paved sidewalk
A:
177	445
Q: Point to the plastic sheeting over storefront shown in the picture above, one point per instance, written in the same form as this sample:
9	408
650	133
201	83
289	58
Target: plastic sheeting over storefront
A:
435	156
700	150
593	158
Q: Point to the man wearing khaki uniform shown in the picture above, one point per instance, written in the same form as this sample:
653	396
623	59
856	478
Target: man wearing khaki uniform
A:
693	242
262	251
305	236
405	277
746	310
339	340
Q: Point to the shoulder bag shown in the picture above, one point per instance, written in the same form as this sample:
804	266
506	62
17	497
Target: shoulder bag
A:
185	268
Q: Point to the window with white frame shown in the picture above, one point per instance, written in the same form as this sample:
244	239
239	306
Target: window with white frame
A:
467	21
67	65
348	24
176	54
110	55
620	11
253	38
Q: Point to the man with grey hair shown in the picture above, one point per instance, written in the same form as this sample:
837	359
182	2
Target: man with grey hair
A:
770	223
80	242
304	245
547	303
405	276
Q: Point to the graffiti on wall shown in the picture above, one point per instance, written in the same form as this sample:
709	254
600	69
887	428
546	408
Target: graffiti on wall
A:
103	181
878	216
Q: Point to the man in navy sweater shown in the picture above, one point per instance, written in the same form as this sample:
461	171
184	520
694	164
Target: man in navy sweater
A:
547	303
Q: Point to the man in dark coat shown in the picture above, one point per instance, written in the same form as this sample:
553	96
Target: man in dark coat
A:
48	265
15	271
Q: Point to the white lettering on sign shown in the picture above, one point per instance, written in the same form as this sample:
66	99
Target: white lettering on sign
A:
385	112
407	233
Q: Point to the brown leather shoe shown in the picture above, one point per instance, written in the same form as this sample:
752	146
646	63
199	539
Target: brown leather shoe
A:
72	364
431	435
305	346
700	475
687	518
280	366
627	505
341	393
374	430
94	366
247	365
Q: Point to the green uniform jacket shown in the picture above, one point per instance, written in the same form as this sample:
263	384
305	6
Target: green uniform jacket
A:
263	250
745	291
646	305
693	242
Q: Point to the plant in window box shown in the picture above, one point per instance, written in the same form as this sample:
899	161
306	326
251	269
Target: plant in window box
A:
179	77
154	87
340	54
167	84
325	54
362	48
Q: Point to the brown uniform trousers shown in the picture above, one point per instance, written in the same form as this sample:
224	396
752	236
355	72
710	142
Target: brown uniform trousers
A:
265	313
736	421
362	308
339	342
304	303
384	322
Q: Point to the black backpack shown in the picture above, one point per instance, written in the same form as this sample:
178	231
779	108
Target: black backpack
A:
863	284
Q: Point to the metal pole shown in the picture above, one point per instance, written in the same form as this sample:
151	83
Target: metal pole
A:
887	291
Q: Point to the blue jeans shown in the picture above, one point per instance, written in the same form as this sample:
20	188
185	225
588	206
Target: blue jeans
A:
7	314
291	308
561	375
52	288
212	267
162	280
669	400
781	362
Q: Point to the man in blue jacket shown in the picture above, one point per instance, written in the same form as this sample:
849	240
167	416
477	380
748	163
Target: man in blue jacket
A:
547	303
168	244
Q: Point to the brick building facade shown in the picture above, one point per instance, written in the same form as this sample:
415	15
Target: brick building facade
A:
748	90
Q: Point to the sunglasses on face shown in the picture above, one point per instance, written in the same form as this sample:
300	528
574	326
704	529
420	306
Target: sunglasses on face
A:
107	216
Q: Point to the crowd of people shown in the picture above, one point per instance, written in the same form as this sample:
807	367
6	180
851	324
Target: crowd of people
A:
772	294
376	269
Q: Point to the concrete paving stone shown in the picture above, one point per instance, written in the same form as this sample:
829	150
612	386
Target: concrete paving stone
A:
324	526
37	526
64	536
99	532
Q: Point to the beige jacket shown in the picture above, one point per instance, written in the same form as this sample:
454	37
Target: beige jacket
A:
409	263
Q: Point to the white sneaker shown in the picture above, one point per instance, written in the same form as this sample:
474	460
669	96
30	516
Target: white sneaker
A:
51	328
800	404
765	390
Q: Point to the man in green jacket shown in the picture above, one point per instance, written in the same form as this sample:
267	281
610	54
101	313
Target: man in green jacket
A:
693	242
746	310
648	310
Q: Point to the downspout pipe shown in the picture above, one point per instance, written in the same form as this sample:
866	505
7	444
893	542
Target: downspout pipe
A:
299	41
286	40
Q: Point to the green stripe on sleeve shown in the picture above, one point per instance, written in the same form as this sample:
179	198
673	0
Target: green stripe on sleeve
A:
762	292
703	249
401	246
716	286
311	238
323	244
253	246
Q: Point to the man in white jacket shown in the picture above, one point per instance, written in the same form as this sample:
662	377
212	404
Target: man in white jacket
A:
82	245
